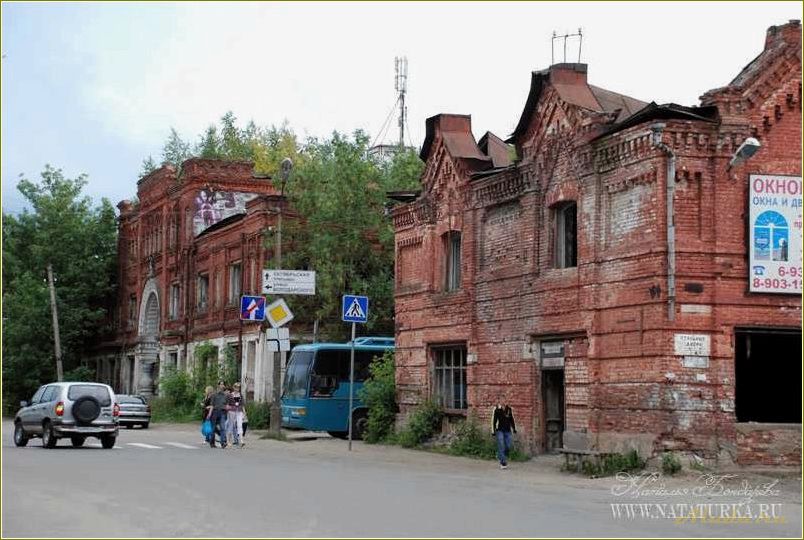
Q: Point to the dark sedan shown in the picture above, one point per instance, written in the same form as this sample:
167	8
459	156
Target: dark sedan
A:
134	410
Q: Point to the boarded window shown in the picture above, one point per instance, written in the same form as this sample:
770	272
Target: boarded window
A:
235	281
203	292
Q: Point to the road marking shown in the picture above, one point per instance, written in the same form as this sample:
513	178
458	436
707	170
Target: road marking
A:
181	445
143	445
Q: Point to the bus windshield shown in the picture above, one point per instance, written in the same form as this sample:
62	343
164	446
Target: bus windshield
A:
331	369
296	375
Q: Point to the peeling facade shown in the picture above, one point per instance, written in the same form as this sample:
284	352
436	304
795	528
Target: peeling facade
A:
600	284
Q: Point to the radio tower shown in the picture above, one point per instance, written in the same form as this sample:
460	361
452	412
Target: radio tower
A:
401	66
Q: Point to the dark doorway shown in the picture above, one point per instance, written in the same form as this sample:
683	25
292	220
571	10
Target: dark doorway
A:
131	364
767	366
553	395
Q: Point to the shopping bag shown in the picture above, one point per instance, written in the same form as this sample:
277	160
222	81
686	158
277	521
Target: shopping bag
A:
206	428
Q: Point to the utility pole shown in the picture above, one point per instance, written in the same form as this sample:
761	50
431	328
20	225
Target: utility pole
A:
56	338
276	405
401	64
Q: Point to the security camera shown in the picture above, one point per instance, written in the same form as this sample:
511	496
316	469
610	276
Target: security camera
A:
745	151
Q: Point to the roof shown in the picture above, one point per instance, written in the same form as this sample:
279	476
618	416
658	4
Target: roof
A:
460	142
668	111
403	196
576	91
495	148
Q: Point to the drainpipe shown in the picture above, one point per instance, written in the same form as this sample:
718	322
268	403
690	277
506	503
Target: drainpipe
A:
657	130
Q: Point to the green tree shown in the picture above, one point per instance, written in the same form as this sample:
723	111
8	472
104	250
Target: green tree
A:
209	146
148	166
176	150
80	241
343	232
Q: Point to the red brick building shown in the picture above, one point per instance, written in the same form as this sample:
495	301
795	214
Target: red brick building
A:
191	245
601	284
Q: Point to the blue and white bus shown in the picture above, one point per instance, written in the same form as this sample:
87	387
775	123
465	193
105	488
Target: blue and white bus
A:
315	395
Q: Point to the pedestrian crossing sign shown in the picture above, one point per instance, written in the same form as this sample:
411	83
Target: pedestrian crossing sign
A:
278	313
355	309
252	308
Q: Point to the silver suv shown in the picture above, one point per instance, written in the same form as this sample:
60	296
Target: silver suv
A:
68	409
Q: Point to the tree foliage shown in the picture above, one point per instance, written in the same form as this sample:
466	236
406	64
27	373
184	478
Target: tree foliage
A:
80	241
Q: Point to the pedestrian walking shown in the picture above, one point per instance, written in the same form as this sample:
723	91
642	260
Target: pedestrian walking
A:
206	407
236	406
217	407
502	425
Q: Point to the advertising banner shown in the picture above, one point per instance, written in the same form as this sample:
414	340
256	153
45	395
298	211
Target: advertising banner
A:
774	250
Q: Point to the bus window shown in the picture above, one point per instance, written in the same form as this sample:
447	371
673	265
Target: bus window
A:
296	376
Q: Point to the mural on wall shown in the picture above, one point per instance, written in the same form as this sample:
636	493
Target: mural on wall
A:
212	207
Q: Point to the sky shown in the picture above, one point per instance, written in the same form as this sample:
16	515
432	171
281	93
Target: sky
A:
94	88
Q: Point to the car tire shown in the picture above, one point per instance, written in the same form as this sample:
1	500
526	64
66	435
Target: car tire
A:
20	438
49	439
78	441
145	425
359	424
107	441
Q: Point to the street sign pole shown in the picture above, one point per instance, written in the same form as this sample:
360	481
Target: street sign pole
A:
351	385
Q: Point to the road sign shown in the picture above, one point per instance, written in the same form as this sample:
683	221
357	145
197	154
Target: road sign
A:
355	308
252	308
278	313
288	282
277	339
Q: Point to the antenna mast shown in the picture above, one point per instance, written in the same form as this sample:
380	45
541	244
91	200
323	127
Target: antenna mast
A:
401	85
579	35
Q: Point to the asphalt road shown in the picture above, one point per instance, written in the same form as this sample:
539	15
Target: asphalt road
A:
165	482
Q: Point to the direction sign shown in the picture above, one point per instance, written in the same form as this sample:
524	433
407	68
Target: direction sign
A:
252	308
355	309
288	282
278	313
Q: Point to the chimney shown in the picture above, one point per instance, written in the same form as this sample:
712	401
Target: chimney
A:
789	33
571	74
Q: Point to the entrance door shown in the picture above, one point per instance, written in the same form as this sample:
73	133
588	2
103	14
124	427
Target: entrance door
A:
553	395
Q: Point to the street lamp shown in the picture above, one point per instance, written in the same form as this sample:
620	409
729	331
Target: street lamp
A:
276	408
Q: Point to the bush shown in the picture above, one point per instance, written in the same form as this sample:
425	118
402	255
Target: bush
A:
80	374
379	395
162	410
670	463
471	440
259	415
177	388
423	423
610	464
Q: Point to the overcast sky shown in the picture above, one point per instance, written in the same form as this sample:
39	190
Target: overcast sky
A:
95	88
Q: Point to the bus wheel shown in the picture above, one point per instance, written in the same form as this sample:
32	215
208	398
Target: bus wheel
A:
359	423
339	434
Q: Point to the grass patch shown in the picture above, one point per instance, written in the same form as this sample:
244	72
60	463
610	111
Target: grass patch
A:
608	465
473	441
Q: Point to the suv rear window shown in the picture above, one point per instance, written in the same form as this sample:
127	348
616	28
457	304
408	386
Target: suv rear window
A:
98	392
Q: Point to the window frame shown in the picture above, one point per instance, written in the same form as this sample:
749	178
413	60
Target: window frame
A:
452	263
235	289
174	305
202	293
562	256
440	378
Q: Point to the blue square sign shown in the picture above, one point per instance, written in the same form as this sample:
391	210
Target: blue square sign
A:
355	308
252	308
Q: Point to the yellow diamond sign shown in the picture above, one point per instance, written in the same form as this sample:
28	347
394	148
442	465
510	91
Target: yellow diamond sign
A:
278	313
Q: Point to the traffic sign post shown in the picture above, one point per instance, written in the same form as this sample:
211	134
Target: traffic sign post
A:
354	310
252	308
288	282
